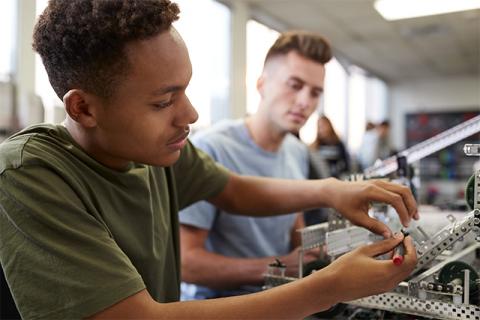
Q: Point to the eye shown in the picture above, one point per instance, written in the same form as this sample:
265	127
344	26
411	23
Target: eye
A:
315	93
163	104
295	85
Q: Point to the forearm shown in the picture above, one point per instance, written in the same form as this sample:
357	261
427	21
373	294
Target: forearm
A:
294	300
220	272
268	196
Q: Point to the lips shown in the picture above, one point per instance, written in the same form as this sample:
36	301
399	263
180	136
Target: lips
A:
298	117
179	141
179	138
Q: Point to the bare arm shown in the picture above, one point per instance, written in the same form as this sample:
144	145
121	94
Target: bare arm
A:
216	271
260	195
213	270
257	195
271	304
352	276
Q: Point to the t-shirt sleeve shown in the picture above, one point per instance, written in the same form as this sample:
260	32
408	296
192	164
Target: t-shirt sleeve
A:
59	260
200	214
198	176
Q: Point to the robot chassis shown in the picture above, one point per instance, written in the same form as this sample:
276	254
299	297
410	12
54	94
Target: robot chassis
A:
444	285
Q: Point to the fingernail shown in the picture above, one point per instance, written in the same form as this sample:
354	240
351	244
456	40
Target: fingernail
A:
398	235
386	235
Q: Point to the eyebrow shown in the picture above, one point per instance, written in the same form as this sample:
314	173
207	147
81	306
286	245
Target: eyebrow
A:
166	90
302	81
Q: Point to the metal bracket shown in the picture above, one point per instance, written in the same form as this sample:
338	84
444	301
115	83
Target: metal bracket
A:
428	250
427	308
426	148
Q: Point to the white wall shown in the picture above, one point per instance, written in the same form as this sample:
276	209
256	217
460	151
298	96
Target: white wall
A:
430	95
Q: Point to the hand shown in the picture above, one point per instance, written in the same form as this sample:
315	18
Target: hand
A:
291	260
357	274
352	200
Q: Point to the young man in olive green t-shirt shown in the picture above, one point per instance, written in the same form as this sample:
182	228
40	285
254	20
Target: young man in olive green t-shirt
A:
88	209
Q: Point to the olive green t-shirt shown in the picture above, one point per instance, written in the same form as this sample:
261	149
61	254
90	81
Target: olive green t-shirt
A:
77	237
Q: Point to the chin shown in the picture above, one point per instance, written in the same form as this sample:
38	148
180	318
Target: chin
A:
294	128
295	125
165	160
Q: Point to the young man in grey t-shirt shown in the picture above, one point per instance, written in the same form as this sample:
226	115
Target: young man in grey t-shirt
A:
225	253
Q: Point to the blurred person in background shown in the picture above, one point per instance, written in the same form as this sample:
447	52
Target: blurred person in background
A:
330	148
375	144
328	158
384	148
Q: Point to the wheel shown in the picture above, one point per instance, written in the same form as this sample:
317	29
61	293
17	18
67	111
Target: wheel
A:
470	192
454	270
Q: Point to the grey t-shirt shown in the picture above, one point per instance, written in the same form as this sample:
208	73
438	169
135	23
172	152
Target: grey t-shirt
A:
230	144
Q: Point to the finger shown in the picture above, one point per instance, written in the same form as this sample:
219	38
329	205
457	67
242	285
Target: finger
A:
373	225
314	253
316	249
383	195
405	193
382	247
410	256
407	196
409	259
309	258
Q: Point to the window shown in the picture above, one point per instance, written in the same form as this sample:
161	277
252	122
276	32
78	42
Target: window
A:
8	9
205	28
8	29
333	103
357	104
52	104
259	39
367	102
377	100
208	42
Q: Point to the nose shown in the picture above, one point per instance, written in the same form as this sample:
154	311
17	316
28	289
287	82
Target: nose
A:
187	114
304	99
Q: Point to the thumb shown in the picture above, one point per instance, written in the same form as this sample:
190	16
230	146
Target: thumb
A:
375	226
384	246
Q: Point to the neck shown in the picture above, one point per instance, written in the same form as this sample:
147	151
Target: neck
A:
86	142
77	133
264	133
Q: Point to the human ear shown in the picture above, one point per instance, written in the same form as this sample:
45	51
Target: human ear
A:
260	84
80	107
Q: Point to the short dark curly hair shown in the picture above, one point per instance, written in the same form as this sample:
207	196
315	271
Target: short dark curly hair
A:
307	44
82	42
